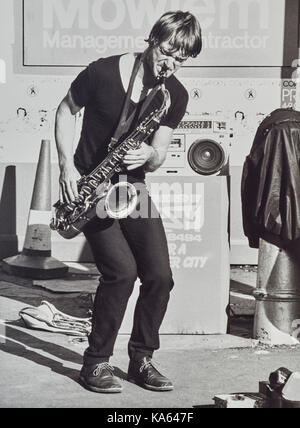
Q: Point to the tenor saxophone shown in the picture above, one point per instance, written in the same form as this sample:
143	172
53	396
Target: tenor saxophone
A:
95	189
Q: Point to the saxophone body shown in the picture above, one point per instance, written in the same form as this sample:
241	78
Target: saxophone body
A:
95	190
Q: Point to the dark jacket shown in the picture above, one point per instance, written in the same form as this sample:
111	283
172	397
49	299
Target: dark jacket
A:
271	181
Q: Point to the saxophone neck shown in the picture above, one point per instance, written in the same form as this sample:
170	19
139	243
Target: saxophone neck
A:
166	94
167	98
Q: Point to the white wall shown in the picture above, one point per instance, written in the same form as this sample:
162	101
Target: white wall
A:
224	73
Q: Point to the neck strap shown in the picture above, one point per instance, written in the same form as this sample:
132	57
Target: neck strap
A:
124	122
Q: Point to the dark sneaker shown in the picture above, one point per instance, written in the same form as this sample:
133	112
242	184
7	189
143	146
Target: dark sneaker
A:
143	373
100	378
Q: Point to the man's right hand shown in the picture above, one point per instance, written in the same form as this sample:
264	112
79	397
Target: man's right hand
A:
68	178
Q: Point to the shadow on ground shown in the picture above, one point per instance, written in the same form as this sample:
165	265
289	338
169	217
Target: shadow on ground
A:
30	347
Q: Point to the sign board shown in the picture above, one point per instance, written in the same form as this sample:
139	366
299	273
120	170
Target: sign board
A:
194	211
235	32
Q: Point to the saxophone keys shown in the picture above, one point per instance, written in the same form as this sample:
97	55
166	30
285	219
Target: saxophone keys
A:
79	199
86	190
93	183
70	207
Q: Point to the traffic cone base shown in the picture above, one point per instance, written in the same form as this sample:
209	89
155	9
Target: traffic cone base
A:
34	267
35	261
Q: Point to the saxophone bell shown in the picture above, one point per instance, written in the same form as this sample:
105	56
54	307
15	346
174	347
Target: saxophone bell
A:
119	201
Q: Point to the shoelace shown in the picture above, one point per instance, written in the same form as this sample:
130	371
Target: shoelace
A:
147	364
103	366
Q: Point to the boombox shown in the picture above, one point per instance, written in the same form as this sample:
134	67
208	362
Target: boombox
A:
199	147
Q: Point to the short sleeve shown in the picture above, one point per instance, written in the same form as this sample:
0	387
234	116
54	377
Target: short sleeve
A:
176	110
82	87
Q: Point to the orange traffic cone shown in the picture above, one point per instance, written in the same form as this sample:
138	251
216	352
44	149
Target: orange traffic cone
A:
35	261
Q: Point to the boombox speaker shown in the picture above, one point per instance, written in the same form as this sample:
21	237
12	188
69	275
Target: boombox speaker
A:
208	157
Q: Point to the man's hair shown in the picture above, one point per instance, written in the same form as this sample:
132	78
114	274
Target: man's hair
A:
181	29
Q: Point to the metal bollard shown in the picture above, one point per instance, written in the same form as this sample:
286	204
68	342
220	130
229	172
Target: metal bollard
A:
277	312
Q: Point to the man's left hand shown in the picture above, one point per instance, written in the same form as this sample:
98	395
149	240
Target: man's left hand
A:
136	158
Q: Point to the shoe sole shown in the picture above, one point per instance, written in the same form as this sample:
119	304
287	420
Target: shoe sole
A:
151	388
101	390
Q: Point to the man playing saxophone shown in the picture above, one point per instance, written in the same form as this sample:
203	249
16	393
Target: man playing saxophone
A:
131	247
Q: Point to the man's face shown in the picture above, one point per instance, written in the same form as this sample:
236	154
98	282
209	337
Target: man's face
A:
163	57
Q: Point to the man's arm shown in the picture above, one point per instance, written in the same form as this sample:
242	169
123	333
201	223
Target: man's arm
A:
151	156
64	137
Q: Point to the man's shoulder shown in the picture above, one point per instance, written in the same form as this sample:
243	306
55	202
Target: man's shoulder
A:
174	85
178	93
104	63
103	69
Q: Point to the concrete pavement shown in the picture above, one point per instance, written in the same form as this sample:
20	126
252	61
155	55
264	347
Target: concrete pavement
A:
40	369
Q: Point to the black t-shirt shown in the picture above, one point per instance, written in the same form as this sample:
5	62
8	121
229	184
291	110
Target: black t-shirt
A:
100	90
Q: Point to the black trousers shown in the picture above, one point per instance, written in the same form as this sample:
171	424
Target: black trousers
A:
124	250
